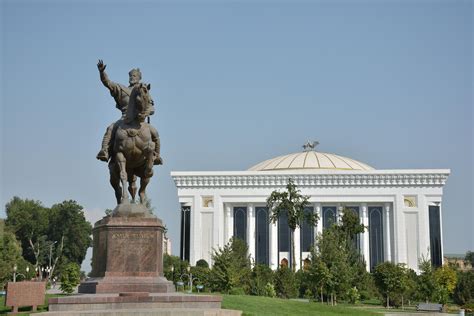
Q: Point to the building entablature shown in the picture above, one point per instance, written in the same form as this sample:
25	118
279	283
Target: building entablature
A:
316	178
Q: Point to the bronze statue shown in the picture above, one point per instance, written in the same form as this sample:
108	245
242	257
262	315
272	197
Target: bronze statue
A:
131	145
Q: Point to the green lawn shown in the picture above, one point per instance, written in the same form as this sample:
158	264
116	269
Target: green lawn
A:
257	305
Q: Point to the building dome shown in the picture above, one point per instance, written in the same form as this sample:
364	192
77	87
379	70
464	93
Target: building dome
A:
310	160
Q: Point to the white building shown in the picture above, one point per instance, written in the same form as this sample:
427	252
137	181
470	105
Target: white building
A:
402	208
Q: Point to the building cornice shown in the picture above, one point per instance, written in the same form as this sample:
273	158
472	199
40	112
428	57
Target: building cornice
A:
319	178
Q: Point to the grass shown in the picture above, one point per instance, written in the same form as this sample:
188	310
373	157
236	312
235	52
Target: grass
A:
26	310
257	305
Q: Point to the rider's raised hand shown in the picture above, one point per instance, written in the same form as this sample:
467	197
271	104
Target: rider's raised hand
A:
101	66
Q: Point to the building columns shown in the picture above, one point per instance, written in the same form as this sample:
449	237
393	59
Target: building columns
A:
229	217
251	230
364	242
273	245
319	225
387	241
297	241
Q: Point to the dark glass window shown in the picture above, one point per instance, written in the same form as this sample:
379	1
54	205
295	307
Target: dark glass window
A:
307	233
283	232
435	236
375	236
261	235
329	216
185	233
240	223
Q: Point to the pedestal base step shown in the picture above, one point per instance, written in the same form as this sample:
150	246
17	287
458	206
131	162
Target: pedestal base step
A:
115	302
149	312
126	284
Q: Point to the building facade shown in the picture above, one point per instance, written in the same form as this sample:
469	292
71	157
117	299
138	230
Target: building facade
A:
401	208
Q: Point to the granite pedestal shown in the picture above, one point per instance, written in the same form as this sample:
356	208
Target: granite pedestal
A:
127	256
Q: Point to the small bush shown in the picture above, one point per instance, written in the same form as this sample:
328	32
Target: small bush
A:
70	277
285	283
270	290
237	291
202	263
353	295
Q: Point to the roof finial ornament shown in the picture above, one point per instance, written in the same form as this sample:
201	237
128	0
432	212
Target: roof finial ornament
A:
309	146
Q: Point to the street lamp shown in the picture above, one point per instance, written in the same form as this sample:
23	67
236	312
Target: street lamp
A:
190	280
15	268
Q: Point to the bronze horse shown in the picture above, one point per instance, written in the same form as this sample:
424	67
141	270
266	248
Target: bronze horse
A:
133	148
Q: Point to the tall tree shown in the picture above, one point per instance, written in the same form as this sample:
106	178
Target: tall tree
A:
231	267
390	279
28	220
293	203
67	223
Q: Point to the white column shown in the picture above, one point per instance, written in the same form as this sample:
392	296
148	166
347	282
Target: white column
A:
319	226
273	248
387	235
230	223
441	229
251	230
338	213
365	246
297	248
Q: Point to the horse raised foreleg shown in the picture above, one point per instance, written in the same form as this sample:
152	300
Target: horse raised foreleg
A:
132	185
123	176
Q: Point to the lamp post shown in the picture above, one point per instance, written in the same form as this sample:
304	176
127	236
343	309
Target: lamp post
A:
190	280
51	251
15	268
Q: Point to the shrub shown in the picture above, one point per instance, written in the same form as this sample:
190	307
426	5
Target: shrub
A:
237	291
231	267
270	290
353	295
202	263
70	277
260	277
285	283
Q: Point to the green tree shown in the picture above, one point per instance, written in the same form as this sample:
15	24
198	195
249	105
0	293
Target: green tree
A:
11	255
231	267
293	203
285	283
464	290
174	267
332	260
446	279
390	278
70	277
261	276
28	220
67	223
427	286
470	258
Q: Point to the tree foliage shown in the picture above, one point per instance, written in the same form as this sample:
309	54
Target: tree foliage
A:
464	290
470	258
390	279
11	255
445	278
48	233
293	204
70	277
231	266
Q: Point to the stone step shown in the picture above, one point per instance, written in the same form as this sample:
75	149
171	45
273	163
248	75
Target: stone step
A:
148	312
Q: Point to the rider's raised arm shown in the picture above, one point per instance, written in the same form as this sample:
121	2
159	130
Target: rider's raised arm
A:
112	86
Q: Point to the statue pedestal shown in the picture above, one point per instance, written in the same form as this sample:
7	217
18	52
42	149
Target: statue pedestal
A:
127	256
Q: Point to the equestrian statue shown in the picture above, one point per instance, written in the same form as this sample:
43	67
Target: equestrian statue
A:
130	145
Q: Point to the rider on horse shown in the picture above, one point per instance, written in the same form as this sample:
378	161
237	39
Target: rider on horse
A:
121	94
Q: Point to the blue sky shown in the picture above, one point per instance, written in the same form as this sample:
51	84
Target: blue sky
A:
388	83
